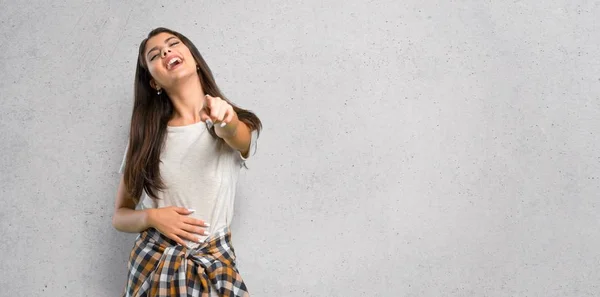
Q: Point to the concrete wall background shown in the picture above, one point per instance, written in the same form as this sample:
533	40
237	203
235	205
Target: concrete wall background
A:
411	148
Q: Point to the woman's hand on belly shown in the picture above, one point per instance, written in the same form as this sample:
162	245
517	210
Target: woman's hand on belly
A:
174	223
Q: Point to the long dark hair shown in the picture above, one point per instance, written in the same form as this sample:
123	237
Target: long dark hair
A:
152	112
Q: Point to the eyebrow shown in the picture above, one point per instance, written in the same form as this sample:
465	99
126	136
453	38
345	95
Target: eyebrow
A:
156	47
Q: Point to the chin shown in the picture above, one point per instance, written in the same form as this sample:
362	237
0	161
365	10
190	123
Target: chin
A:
182	75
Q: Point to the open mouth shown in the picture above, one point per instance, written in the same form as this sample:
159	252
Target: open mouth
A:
174	62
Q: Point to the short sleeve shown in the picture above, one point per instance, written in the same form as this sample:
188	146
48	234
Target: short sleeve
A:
122	167
252	151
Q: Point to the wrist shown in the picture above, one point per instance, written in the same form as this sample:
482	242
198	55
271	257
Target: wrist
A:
149	215
228	131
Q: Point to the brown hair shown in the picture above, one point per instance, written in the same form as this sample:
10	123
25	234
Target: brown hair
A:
152	112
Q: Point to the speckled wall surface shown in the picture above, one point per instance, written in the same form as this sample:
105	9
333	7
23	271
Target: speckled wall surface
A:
411	148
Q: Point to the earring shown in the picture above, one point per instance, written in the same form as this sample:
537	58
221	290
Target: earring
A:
197	68
159	91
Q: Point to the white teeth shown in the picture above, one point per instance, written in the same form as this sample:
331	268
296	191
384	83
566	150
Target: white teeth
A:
172	61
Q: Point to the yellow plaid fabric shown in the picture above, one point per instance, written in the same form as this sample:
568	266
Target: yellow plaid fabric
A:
159	267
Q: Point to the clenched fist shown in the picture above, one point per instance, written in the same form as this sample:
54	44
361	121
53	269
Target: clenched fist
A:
216	111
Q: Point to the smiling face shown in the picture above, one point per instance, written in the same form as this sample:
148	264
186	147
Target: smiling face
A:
168	60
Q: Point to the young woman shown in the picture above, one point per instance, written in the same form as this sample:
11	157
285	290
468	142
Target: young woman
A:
187	144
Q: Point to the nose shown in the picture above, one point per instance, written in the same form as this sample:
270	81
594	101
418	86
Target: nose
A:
165	51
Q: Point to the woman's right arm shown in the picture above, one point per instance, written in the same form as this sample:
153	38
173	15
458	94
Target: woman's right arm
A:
126	218
171	221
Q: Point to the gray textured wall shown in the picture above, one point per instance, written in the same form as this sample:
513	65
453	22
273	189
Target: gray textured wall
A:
411	148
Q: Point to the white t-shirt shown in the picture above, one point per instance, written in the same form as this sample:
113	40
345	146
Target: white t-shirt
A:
200	173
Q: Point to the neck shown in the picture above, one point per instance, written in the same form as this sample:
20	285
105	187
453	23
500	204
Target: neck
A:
188	99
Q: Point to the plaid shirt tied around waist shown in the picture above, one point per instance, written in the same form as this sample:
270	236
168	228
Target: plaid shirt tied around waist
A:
159	267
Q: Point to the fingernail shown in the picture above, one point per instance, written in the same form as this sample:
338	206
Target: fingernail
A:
207	224
192	210
223	124
209	123
206	233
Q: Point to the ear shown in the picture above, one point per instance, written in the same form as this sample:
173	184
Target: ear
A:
154	85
